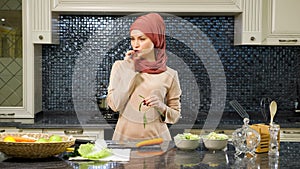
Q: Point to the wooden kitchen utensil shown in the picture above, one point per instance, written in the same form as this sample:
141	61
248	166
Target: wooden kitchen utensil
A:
273	109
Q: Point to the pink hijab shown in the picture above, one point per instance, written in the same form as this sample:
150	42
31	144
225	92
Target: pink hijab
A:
153	26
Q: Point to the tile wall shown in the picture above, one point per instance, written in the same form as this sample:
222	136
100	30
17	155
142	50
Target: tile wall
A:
212	70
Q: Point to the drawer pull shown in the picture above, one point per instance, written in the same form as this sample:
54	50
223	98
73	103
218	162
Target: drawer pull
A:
291	132
288	41
7	114
73	131
41	37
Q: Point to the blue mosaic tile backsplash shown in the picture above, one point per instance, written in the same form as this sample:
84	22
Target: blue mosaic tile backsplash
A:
77	70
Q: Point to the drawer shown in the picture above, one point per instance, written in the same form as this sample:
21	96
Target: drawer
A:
88	134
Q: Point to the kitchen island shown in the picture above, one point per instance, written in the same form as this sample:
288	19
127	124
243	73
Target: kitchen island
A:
171	159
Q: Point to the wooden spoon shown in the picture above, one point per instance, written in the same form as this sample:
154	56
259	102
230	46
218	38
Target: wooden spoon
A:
273	109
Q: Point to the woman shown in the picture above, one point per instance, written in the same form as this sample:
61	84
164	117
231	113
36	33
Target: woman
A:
142	88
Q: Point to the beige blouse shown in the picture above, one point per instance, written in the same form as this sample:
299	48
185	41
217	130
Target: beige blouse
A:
124	92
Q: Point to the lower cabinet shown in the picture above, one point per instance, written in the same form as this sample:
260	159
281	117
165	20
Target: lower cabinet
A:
31	130
9	129
86	134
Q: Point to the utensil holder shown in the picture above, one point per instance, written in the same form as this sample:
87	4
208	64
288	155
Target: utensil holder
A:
264	132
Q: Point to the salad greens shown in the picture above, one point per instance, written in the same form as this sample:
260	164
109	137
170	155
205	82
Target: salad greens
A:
215	136
88	151
187	136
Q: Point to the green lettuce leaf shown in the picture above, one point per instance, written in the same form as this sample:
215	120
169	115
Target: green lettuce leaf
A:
88	151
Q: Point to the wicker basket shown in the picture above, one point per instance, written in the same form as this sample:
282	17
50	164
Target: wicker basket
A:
34	150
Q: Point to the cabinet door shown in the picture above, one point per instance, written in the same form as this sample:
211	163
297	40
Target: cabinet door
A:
27	130
285	17
18	130
44	22
87	134
9	129
284	23
11	57
20	70
268	22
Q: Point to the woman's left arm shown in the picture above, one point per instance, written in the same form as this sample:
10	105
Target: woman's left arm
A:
170	110
173	108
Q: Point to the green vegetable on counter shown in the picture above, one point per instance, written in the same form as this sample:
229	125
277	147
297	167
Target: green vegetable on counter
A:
188	136
88	151
215	136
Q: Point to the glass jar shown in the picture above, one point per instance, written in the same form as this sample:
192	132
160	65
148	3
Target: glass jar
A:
245	140
274	141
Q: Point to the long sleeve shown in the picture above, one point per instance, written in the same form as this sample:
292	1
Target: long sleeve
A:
173	114
121	84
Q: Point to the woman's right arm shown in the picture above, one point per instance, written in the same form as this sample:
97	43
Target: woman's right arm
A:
121	85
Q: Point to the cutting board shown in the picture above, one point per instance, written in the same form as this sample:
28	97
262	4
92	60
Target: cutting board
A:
122	155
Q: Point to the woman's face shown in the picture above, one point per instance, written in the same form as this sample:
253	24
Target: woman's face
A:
142	44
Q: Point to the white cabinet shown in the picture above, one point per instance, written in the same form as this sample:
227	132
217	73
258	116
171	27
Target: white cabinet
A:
128	6
18	130
44	22
283	22
9	129
268	22
31	65
28	130
87	133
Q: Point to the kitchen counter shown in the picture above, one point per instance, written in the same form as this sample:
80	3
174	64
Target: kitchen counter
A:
173	158
96	121
57	119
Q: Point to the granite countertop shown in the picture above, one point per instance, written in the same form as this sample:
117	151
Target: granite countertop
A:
172	159
57	119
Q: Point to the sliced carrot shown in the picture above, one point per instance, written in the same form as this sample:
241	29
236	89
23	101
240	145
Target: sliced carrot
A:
149	142
23	139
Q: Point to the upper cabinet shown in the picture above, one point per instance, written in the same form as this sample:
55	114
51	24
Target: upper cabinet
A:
268	22
284	22
44	22
257	22
125	6
20	68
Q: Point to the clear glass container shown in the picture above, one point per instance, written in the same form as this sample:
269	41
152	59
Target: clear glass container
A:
274	143
245	140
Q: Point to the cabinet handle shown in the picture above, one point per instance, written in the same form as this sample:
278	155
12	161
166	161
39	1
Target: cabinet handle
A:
73	131
41	37
291	132
7	114
290	40
252	38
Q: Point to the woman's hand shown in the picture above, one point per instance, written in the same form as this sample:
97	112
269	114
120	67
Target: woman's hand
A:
153	101
129	55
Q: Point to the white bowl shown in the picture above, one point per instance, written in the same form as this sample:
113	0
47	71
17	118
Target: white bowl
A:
186	144
215	144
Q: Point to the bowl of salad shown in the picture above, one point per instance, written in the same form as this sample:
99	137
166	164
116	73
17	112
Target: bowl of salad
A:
214	141
187	141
